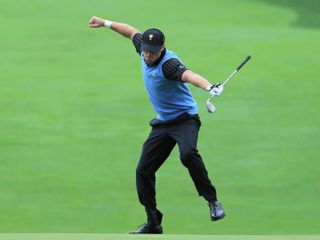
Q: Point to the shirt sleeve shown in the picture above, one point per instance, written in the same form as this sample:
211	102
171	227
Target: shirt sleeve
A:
173	69
136	40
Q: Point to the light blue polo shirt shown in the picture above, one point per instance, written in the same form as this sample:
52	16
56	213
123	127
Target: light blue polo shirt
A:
169	98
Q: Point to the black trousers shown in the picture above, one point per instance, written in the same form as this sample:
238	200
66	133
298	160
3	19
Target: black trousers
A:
156	149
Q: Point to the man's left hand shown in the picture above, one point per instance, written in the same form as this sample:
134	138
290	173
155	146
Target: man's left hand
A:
216	89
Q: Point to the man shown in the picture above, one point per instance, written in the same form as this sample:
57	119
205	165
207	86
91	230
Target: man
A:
177	120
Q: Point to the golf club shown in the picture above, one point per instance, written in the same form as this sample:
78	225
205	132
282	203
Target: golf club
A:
210	106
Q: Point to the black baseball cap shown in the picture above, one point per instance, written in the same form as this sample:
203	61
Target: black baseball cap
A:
152	40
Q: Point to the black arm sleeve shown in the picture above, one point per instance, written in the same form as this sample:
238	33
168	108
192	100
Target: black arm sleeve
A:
173	69
136	40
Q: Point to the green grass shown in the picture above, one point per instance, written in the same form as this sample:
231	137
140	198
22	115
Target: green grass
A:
151	237
74	114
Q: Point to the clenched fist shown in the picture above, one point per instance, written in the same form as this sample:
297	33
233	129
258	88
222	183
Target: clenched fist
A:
96	22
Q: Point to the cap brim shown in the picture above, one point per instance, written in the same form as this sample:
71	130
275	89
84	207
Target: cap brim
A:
150	48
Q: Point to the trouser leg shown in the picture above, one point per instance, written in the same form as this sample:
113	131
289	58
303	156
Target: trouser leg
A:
155	151
186	134
154	217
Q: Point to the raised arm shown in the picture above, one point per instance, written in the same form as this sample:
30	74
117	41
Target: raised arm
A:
121	28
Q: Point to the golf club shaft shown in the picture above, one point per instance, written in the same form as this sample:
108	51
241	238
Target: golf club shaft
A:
237	69
227	80
234	72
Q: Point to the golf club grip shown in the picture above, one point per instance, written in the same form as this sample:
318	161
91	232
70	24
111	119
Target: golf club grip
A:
243	63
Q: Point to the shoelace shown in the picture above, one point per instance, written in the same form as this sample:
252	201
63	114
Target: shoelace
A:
218	205
142	225
215	205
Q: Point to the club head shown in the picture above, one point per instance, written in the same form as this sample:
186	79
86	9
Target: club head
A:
210	107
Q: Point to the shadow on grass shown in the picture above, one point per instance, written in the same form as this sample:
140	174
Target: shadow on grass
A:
308	11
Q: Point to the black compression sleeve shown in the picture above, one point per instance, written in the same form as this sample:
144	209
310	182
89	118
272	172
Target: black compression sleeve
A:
136	40
173	69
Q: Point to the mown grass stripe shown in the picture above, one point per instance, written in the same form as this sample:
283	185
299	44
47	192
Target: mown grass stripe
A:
55	236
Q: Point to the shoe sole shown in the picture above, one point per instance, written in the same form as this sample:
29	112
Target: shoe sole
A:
218	218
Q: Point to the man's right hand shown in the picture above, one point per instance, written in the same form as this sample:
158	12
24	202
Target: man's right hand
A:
96	22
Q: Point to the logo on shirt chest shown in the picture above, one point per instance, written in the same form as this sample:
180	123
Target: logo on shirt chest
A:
153	75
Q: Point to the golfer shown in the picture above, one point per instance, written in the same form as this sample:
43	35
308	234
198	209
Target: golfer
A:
177	122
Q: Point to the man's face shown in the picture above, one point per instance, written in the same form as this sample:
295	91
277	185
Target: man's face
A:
150	57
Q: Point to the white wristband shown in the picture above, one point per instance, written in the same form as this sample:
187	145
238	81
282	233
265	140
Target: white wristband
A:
107	23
